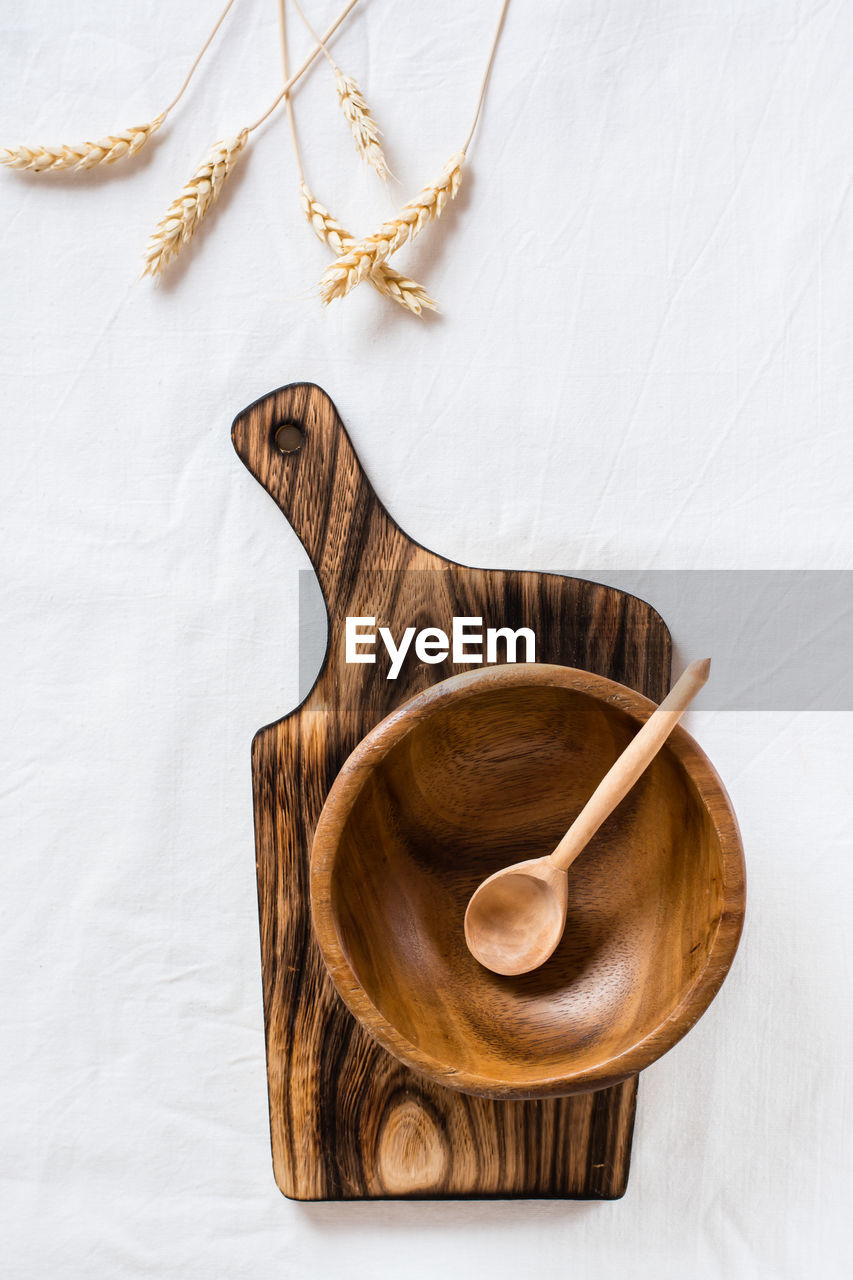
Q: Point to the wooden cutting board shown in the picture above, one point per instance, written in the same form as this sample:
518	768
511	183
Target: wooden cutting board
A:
347	1120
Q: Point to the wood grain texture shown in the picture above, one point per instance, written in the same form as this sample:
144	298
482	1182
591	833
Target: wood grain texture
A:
348	1120
446	792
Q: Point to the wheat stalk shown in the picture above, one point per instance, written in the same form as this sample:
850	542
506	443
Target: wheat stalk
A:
363	127
184	215
84	155
116	146
387	281
361	259
182	218
319	48
406	293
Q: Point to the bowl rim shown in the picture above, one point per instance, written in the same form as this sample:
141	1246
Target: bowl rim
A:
347	787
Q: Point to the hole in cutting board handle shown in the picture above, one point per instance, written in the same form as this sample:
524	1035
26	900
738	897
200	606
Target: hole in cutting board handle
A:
289	438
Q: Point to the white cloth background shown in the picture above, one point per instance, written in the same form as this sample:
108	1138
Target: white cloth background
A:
644	360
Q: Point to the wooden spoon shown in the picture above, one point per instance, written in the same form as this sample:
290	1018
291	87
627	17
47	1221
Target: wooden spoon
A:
516	918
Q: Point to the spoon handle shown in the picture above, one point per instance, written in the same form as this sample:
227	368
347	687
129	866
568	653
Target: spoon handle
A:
622	775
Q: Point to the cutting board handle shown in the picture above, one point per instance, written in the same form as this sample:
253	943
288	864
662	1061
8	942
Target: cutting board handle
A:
296	446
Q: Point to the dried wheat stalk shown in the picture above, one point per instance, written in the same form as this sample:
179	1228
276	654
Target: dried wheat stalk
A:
406	293
182	218
363	127
116	146
85	155
387	281
361	259
184	214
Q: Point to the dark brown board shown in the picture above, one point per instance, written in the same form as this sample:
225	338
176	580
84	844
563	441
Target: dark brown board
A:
348	1121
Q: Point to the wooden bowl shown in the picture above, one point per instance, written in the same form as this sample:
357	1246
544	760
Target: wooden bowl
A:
483	770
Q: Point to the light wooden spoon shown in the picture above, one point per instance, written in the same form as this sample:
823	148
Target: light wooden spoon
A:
516	918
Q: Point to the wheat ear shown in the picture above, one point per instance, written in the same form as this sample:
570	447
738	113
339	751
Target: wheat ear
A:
363	127
363	257
387	281
182	218
84	155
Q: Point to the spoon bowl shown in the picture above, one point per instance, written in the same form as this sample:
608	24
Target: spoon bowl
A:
516	918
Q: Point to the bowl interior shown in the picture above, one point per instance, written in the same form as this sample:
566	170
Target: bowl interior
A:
490	779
